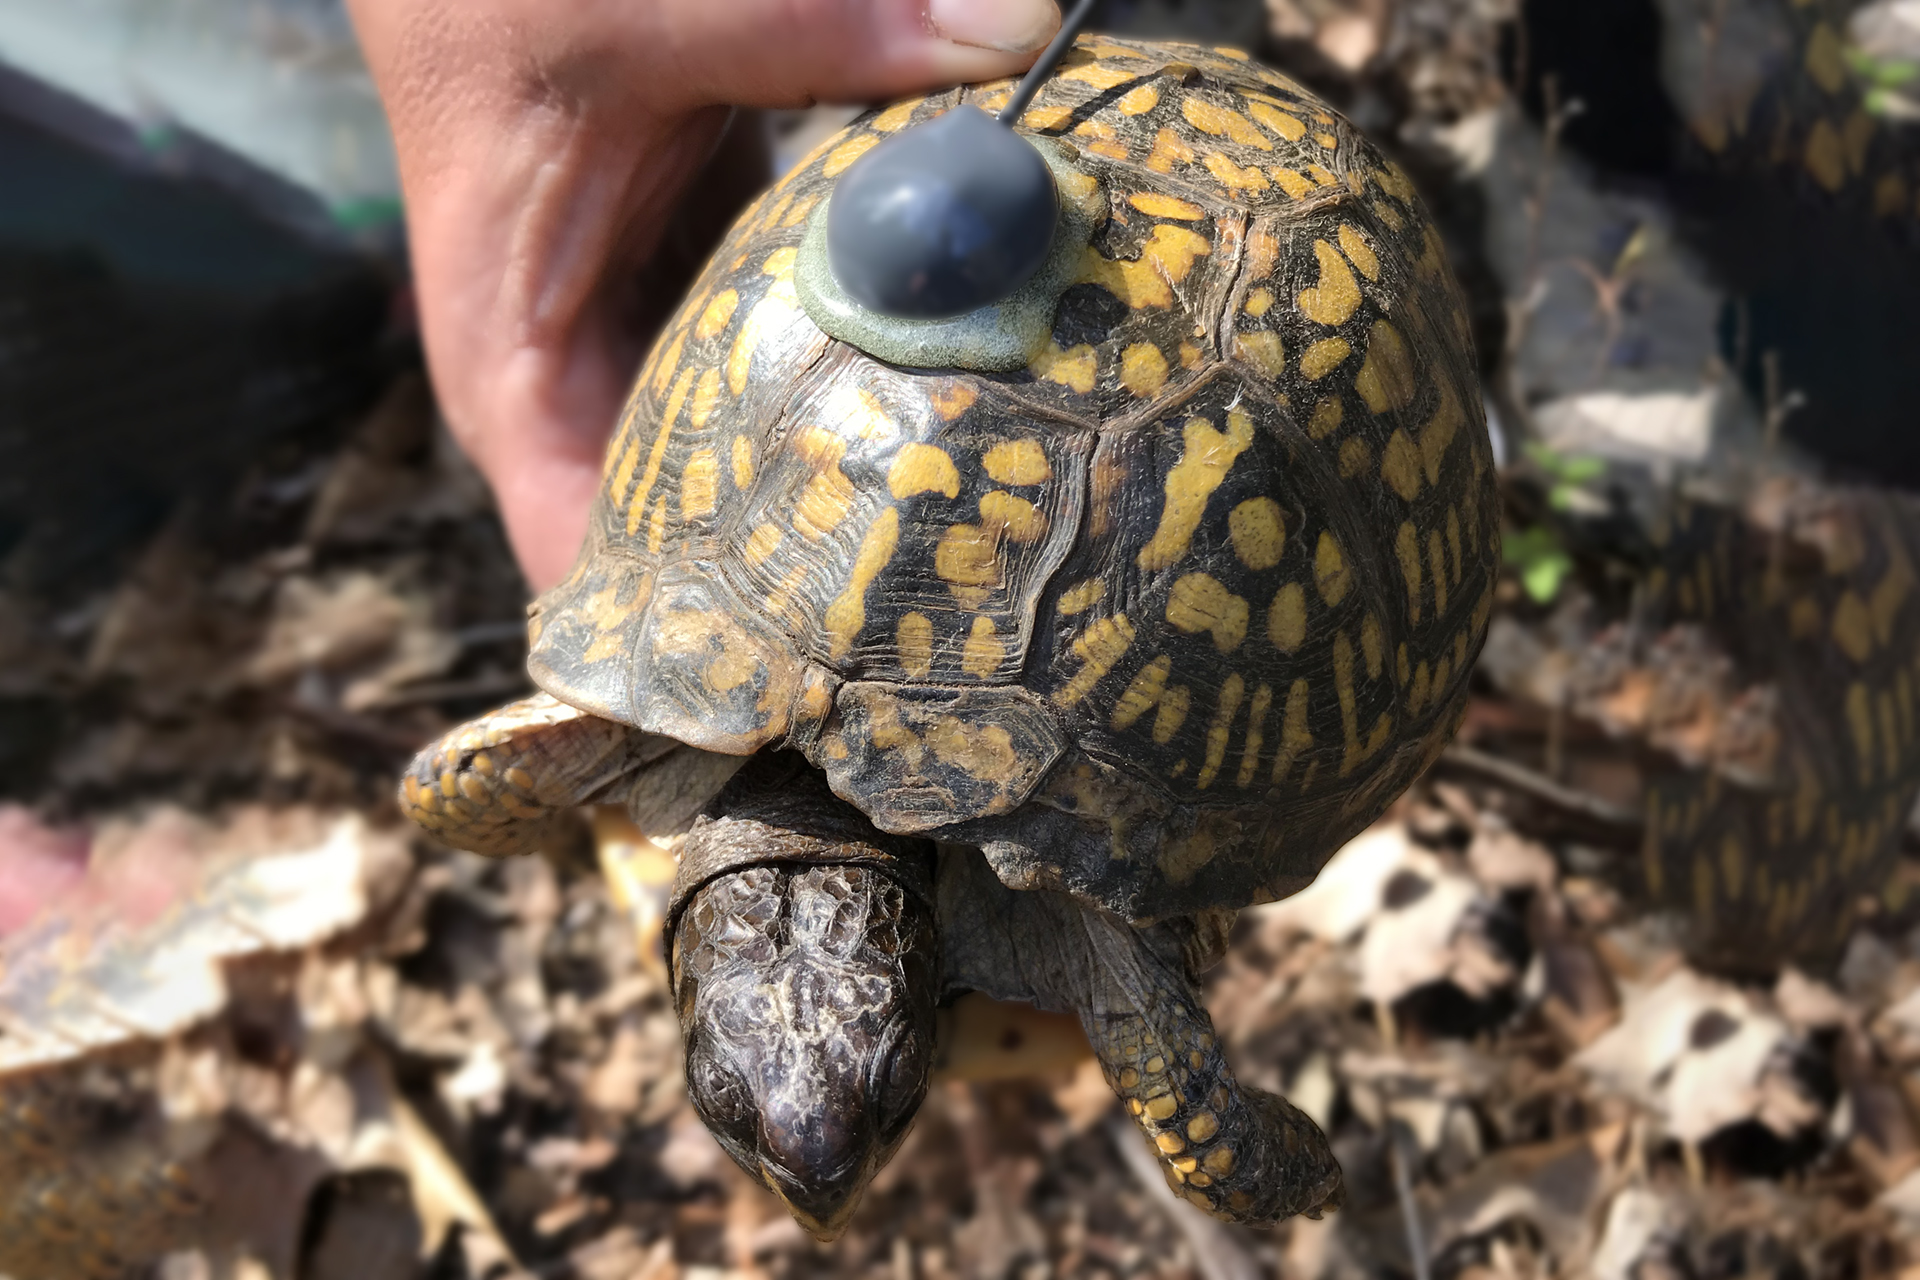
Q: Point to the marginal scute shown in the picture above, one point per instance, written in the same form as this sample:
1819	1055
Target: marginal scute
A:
916	759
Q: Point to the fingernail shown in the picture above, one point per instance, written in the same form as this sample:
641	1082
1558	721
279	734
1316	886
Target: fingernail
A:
1014	26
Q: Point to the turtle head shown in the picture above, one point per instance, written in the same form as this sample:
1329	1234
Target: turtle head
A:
806	996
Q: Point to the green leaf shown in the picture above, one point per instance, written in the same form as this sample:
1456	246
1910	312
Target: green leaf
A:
1540	561
1543	577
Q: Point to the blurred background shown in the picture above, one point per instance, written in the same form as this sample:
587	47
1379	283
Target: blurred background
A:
1553	1025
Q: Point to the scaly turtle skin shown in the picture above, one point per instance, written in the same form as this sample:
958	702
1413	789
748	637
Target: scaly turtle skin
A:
1146	629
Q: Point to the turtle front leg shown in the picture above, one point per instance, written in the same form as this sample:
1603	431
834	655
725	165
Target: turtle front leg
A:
503	784
1242	1154
804	966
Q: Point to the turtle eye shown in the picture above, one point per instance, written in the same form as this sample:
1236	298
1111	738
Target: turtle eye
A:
718	1090
900	1081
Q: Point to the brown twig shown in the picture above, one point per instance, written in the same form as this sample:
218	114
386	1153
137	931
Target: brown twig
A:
1539	787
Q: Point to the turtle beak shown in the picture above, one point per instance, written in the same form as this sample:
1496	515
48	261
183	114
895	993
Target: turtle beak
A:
822	1206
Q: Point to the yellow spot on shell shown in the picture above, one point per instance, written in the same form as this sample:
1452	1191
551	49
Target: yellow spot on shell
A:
1202	1127
1258	532
1263	251
1386	378
923	468
1826	60
984	651
846	153
657	526
1219	1162
652	473
1359	252
779	263
1072	368
1018	462
1295	737
718	312
846	615
771	314
1853	627
967	559
1330	572
1373	645
1337	295
1221	729
623	474
1172	714
1263	351
913	637
1168	150
1440	431
1157	205
952	398
1203	465
1162	1107
761	543
1323	357
1023	522
1082	596
1326	418
1258	302
742	462
1143	369
1356	456
1826	156
1166	260
895	117
1142	694
1099	647
1292	128
1400	465
1287	618
828	498
1394	181
1406	546
1294	183
1860	721
1249	761
1238	177
1137	102
1198	602
706	394
699	480
1223	123
1101	75
798	214
1046	118
669	363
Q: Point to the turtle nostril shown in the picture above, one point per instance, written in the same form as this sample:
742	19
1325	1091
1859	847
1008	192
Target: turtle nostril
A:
941	219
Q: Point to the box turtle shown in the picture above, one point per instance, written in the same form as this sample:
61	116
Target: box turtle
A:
1013	651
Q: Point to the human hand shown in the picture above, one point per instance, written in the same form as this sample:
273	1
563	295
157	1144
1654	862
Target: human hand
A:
542	147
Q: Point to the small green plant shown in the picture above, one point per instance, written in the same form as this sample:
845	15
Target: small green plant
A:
1565	474
1883	79
1537	558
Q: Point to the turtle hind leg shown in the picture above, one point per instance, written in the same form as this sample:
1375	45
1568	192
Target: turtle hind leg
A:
504	784
1241	1154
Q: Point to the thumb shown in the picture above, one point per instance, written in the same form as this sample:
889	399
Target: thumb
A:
782	53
